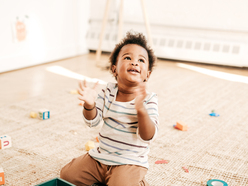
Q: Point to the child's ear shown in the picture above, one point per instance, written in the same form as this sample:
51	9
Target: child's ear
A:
113	68
148	75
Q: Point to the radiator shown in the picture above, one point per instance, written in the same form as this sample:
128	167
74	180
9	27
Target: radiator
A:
192	45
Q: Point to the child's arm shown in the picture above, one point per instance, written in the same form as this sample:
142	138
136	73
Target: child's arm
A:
146	125
88	95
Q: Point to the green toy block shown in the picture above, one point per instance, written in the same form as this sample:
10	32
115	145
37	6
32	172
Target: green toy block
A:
56	182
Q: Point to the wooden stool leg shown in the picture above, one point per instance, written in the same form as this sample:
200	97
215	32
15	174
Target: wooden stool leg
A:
147	23
120	21
104	23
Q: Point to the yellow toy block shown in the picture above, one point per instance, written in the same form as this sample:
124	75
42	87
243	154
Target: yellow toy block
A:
89	145
74	92
181	126
2	180
33	114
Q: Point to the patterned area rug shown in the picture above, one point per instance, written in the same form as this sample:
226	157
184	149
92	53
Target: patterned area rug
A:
212	148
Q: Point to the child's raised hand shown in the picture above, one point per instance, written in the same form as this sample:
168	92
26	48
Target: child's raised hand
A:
87	94
140	94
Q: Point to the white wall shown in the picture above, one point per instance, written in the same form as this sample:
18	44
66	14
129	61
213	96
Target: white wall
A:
56	29
226	15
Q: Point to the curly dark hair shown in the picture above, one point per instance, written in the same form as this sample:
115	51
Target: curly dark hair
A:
133	38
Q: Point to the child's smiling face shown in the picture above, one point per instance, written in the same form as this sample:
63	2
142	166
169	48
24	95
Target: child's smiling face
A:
132	65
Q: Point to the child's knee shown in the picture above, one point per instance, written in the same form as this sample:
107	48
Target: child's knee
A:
127	182
63	173
127	175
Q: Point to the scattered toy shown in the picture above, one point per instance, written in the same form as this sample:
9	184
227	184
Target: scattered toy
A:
89	145
161	162
214	114
175	127
33	114
74	92
5	142
44	114
97	139
81	103
185	169
2	180
216	182
181	126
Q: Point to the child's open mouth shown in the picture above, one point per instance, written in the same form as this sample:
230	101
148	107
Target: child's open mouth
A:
133	71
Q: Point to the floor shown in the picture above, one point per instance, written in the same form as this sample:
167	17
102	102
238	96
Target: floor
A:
33	81
212	148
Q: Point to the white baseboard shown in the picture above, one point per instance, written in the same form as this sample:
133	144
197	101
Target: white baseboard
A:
26	59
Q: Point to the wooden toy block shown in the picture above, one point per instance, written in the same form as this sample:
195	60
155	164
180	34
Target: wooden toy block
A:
89	145
74	92
5	142
2	180
33	114
44	114
181	126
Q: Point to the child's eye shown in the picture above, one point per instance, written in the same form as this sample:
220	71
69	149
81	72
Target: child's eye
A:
141	60
127	58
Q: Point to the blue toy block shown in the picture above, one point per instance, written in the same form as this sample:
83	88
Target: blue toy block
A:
214	114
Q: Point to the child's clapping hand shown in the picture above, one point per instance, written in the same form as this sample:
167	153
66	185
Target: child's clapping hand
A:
87	94
140	94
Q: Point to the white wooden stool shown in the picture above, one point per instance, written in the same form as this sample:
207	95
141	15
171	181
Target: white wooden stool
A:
104	22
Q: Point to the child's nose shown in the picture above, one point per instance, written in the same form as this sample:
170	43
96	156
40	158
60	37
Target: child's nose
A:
134	63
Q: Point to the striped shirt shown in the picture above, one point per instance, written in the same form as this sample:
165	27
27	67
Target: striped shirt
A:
119	140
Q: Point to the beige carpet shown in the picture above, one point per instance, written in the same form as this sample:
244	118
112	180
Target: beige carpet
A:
212	148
